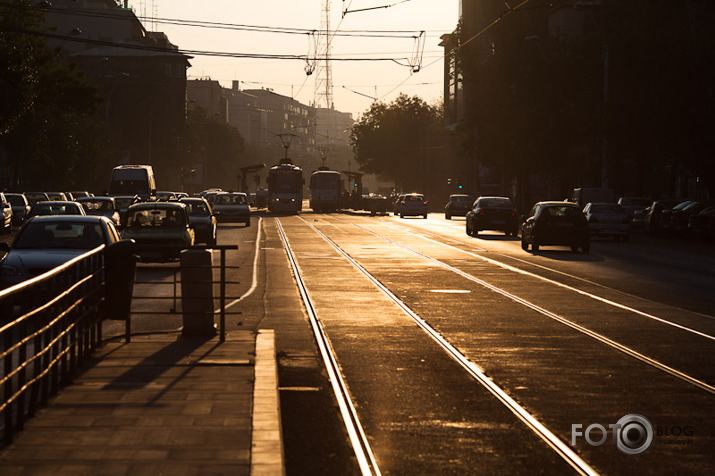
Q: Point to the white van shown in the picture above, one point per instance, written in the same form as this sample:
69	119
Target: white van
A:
133	180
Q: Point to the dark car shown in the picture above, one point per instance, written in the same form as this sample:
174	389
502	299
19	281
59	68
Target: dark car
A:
164	226
667	214
679	217
56	208
34	197
703	223
654	214
555	223
46	242
101	206
20	207
458	205
492	213
202	220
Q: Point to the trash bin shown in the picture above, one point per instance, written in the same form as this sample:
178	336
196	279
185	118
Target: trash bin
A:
120	264
197	300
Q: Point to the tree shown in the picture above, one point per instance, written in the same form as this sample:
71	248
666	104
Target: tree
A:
396	141
18	65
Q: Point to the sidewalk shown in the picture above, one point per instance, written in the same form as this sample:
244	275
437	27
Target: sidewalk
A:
161	405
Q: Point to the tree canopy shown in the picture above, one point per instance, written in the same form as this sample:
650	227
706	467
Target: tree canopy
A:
396	141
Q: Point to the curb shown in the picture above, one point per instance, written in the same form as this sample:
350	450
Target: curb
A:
266	435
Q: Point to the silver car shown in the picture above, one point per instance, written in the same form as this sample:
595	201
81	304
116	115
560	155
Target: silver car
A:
412	204
45	242
608	219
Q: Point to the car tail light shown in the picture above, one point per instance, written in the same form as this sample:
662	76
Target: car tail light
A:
404	202
424	203
480	212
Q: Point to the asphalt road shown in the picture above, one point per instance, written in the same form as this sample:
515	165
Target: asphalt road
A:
466	355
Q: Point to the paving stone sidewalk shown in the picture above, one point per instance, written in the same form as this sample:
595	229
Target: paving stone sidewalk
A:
161	404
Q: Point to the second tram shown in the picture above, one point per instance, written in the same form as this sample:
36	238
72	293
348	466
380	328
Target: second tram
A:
285	188
326	191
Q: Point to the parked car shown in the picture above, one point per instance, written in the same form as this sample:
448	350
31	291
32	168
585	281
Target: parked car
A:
20	207
666	215
45	242
34	197
5	214
101	206
412	204
679	218
458	205
555	223
202	220
232	207
492	213
634	204
56	208
159	223
654	214
608	219
703	223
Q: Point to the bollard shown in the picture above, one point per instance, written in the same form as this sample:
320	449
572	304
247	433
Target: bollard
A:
197	299
120	268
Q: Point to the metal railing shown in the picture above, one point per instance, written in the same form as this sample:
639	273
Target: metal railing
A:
48	326
176	298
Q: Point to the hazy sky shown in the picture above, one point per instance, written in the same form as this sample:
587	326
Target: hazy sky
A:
380	79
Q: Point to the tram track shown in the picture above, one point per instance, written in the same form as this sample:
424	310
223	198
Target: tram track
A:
478	374
358	439
556	317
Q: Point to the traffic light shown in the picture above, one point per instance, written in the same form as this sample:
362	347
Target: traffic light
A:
355	185
459	184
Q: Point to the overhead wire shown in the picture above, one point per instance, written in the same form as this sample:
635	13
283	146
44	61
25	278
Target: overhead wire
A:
472	38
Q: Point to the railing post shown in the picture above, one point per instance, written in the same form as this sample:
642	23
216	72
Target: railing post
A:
9	430
222	299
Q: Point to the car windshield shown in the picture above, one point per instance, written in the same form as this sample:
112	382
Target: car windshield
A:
496	203
55	209
607	208
414	198
562	213
197	209
97	205
231	199
54	235
160	217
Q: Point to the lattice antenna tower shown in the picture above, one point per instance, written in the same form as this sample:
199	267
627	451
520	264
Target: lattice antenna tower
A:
323	95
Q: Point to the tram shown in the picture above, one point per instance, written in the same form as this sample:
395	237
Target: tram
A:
285	188
326	190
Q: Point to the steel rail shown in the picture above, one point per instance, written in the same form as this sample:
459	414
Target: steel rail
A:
599	337
358	438
562	285
558	446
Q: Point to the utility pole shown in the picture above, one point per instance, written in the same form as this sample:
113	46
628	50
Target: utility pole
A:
323	95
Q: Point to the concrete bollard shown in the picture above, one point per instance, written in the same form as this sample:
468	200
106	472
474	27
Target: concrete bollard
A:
197	293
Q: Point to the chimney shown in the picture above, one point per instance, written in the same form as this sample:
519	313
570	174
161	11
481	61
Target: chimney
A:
235	84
